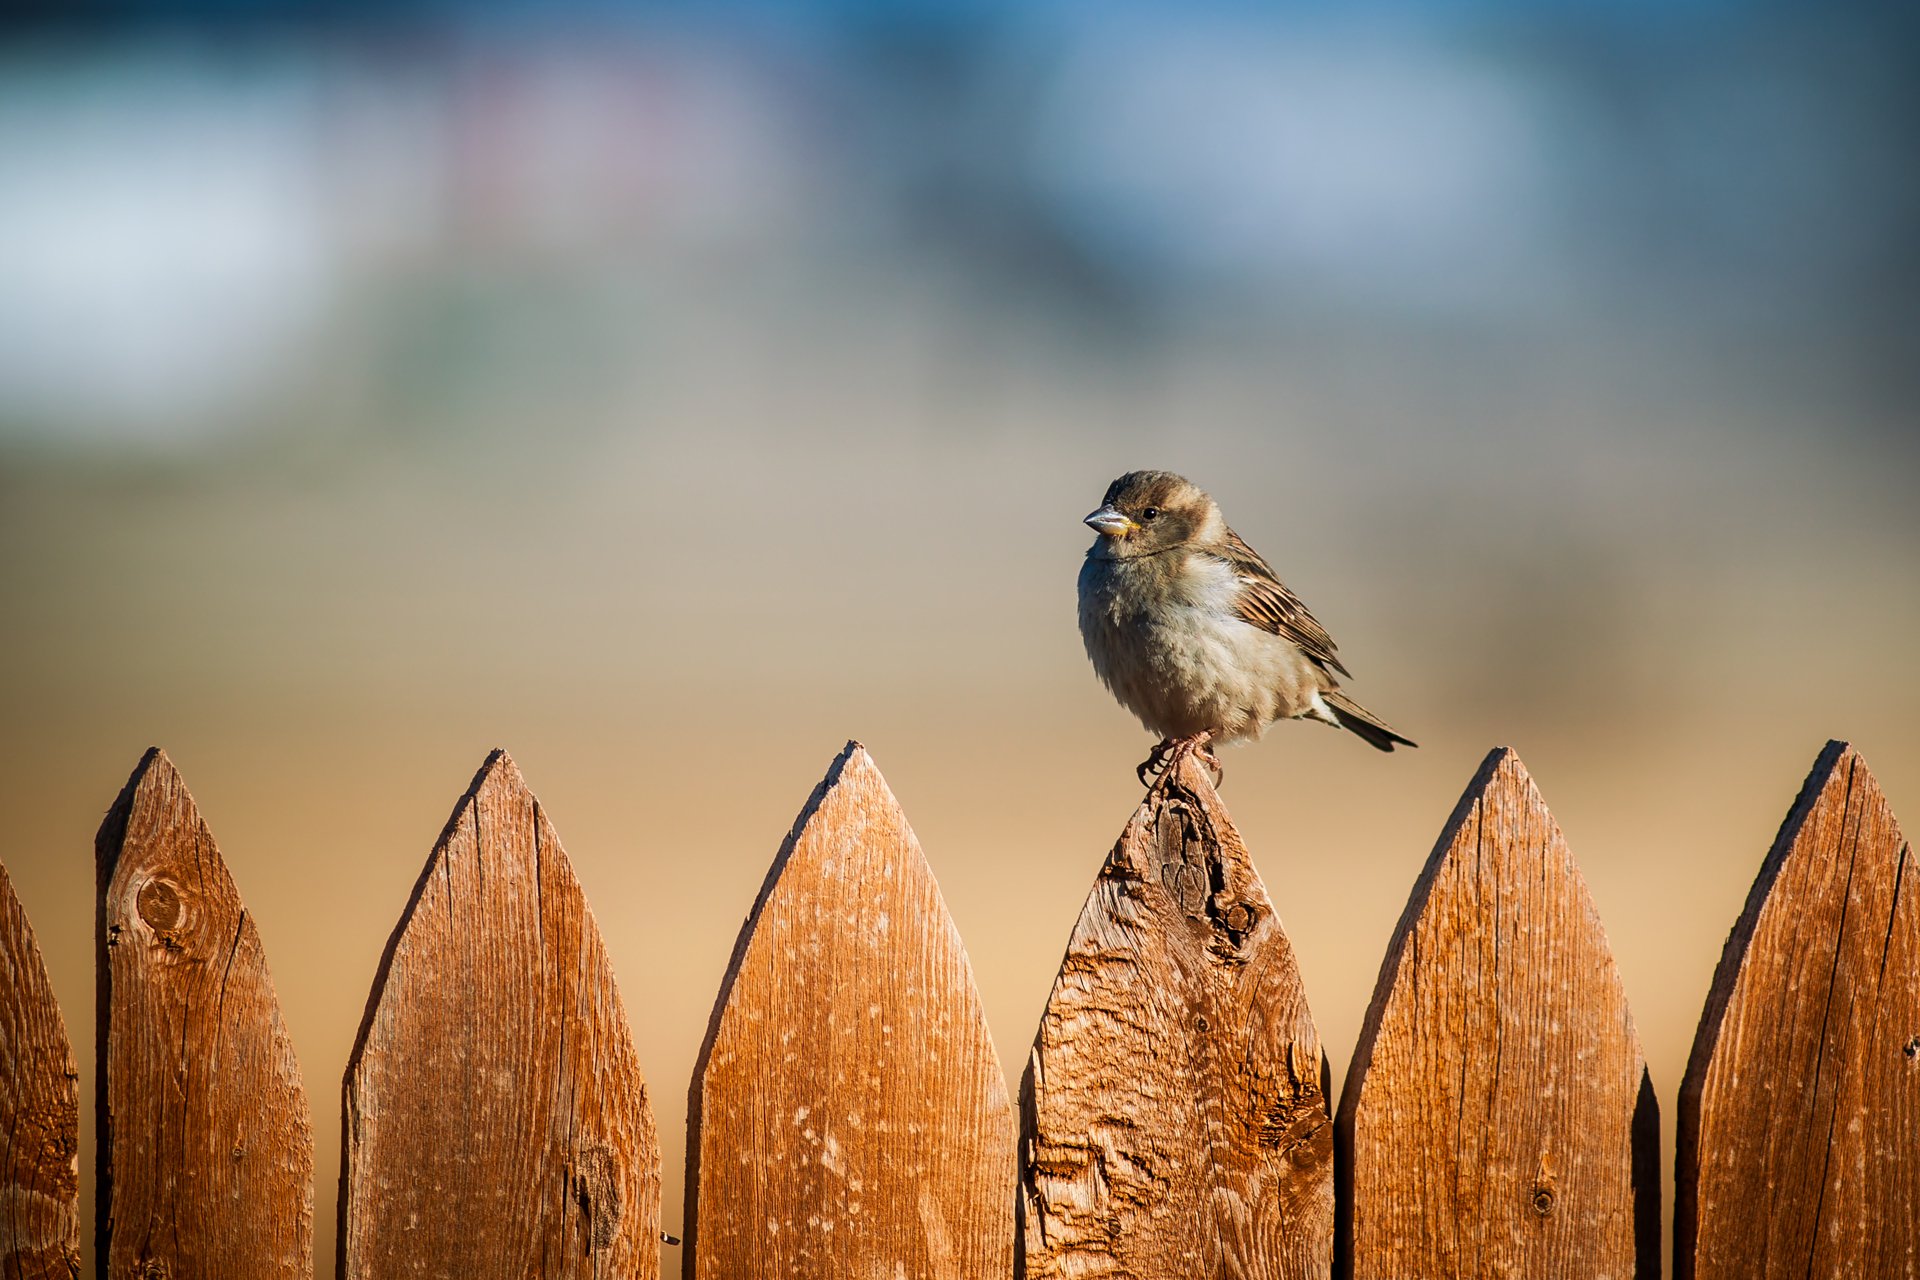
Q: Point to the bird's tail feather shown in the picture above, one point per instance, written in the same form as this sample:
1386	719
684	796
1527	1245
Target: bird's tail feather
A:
1352	715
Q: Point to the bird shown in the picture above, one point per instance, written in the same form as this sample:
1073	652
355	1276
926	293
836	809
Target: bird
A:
1196	635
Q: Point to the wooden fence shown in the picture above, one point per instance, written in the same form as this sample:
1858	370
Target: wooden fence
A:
849	1119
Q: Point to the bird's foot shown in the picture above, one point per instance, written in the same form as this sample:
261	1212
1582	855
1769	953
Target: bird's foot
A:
1157	762
1167	754
1204	754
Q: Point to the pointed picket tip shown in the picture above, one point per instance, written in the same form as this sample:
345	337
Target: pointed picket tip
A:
1497	1117
39	1112
1174	1116
1800	1110
497	778
205	1154
495	1120
848	1115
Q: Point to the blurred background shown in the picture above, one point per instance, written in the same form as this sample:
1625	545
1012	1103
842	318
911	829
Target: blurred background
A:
668	393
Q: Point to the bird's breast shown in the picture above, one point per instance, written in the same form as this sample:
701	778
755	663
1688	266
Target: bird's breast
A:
1163	635
1142	590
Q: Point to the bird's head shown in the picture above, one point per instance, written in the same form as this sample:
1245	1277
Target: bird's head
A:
1147	512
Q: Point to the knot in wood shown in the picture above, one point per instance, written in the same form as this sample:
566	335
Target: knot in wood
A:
1543	1200
1912	1049
1233	920
159	904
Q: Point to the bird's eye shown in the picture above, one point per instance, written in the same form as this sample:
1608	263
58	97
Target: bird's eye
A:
1150	513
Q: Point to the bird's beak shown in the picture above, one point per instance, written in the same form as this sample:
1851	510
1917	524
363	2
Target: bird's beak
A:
1109	523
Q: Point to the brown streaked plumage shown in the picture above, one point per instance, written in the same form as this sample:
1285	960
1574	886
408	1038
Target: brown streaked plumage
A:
1195	634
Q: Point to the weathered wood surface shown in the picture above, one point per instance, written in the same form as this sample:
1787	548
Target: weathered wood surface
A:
39	1112
205	1150
1799	1128
1497	1120
496	1123
1174	1112
849	1119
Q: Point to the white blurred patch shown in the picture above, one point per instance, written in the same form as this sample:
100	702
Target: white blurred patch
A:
162	256
1388	171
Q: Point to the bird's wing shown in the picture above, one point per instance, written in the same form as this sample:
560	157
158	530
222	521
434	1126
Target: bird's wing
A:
1264	601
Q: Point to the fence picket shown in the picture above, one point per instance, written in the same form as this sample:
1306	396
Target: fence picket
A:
1497	1118
1799	1130
1174	1117
849	1117
39	1112
206	1149
495	1120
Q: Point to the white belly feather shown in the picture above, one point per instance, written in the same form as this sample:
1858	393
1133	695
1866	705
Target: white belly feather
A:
1175	653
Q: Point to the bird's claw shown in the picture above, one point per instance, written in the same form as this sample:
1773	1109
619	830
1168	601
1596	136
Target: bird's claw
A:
1156	762
1207	758
1168	752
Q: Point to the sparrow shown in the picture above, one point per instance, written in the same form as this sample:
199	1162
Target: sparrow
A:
1195	634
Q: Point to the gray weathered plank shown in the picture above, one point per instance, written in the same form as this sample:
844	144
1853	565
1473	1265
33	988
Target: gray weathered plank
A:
39	1112
1497	1119
1798	1150
1174	1115
496	1123
206	1149
849	1119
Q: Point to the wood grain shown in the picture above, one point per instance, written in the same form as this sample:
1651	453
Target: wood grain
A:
206	1150
1798	1151
1497	1120
1174	1112
849	1119
496	1123
39	1112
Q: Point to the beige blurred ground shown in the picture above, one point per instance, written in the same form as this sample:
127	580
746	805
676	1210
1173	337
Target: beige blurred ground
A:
671	497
